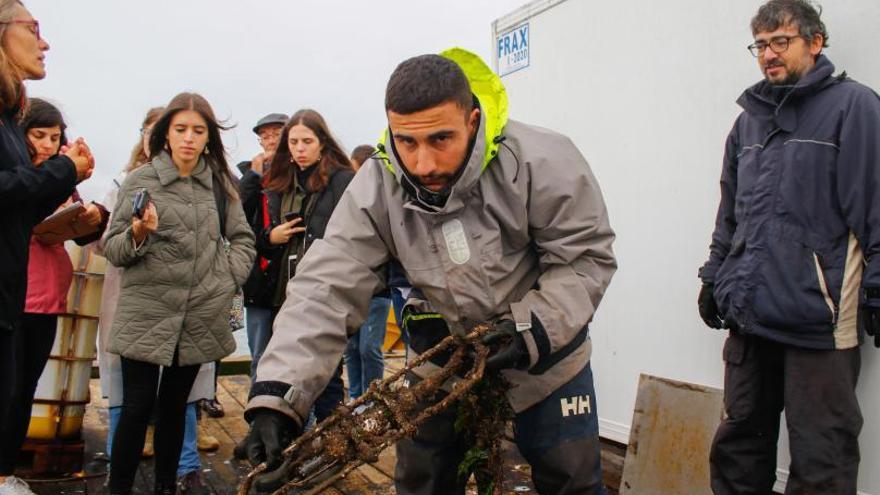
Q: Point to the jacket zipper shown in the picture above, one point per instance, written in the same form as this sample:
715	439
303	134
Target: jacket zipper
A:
823	286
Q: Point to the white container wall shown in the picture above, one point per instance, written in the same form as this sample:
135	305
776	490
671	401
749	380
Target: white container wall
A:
647	91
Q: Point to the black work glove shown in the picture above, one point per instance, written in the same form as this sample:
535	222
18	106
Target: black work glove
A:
870	312
507	348
271	432
708	307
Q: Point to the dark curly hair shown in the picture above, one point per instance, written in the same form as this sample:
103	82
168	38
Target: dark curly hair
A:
801	13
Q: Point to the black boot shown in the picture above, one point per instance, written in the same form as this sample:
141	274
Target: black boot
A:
239	452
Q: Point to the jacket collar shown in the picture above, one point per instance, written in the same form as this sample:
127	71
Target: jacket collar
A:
168	172
766	101
492	99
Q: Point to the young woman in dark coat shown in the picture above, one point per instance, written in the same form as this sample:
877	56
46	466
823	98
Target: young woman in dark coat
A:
308	175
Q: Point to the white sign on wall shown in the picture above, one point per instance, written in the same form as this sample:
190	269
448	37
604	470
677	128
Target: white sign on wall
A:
512	49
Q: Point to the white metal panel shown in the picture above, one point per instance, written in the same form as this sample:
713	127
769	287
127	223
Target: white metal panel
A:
647	90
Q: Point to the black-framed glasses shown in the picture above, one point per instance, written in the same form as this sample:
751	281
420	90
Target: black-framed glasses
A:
33	23
777	45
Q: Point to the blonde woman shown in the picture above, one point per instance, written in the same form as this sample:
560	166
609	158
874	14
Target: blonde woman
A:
27	195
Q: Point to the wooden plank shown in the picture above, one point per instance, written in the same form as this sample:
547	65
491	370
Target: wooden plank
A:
393	363
240	365
222	474
218	470
237	387
613	455
358	483
229	393
376	477
230	429
387	461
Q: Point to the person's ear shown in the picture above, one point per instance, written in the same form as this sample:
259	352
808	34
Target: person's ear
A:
816	45
474	121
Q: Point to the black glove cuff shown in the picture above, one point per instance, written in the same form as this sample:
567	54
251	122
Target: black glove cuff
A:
546	359
542	340
277	389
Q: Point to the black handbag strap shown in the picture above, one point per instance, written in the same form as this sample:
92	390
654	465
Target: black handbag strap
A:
220	200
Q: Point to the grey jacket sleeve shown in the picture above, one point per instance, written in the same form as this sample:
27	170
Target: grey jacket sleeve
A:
119	248
241	242
725	221
570	229
330	293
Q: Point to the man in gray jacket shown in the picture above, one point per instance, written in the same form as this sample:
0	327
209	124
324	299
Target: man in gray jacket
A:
493	221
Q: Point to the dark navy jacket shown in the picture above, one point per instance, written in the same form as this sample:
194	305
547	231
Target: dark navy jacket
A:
27	195
798	229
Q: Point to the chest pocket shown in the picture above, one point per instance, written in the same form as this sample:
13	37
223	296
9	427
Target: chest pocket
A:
806	187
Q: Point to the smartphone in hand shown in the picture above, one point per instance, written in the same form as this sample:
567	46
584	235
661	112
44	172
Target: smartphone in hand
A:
140	202
290	215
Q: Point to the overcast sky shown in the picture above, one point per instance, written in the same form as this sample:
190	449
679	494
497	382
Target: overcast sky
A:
111	60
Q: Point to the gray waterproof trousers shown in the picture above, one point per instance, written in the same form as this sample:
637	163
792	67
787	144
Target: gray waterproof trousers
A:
559	437
816	388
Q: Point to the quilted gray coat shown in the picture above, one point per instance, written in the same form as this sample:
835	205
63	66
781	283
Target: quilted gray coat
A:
177	286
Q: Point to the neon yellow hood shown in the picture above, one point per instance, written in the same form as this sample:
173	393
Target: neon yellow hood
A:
489	90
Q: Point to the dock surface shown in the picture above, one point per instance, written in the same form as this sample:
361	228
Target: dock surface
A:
222	473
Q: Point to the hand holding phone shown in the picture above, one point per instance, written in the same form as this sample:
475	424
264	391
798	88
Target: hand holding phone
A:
144	218
140	202
283	232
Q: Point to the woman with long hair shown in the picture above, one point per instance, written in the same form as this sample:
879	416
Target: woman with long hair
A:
180	233
195	438
308	175
27	195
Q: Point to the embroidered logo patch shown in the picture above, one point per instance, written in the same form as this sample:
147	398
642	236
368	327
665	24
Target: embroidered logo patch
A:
577	405
456	242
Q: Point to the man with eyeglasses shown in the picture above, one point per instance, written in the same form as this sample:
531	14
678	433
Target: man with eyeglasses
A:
793	269
258	319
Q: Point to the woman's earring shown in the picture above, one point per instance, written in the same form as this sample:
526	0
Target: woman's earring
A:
206	150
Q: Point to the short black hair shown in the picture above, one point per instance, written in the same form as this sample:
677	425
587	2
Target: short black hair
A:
777	13
426	81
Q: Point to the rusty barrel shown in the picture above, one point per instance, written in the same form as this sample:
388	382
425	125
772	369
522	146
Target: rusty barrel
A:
63	390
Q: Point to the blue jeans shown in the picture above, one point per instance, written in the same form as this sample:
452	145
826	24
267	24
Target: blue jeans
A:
363	355
189	455
258	322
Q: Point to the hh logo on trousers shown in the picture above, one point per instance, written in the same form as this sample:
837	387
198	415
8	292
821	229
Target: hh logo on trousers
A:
577	405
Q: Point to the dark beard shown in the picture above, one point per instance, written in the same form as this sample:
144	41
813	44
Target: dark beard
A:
791	78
